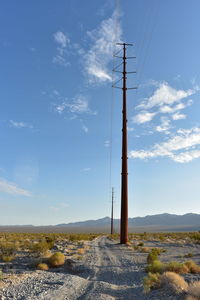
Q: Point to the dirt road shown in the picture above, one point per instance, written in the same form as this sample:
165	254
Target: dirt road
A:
109	271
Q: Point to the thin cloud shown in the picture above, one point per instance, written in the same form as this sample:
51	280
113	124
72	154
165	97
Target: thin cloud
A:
20	124
183	147
12	188
164	126
178	116
79	105
86	169
104	38
63	41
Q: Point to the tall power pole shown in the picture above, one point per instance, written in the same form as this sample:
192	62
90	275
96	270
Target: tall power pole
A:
124	173
111	229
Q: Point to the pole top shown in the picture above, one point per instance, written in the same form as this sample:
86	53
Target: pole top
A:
124	44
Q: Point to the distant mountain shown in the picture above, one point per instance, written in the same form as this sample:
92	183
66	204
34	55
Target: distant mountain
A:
162	221
155	223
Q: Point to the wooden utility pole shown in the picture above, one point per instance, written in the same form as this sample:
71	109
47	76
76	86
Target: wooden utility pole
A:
124	172
112	229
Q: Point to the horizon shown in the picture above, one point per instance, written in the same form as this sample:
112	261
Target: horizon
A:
61	121
80	221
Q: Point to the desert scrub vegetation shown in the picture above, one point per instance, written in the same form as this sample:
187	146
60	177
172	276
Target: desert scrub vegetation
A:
172	281
42	267
194	291
57	260
181	268
8	251
152	280
153	254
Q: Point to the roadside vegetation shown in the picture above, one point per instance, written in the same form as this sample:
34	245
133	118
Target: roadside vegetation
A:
41	251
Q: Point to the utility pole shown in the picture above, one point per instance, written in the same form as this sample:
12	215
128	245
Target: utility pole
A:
112	231
124	172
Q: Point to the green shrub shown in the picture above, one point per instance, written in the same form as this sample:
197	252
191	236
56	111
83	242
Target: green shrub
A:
153	255
57	259
152	280
39	248
155	267
7	248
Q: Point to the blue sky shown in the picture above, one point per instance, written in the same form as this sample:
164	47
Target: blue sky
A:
56	98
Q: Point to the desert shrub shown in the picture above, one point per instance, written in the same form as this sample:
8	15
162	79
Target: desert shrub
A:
81	251
7	258
153	255
189	255
176	267
57	259
141	244
174	282
152	280
192	266
155	267
43	267
50	241
1	274
39	248
194	289
7	248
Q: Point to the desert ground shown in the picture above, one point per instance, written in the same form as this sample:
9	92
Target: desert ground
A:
97	267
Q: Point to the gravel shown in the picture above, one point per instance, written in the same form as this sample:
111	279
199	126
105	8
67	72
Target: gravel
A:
108	271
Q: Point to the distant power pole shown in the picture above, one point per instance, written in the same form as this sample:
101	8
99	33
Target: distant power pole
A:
112	229
124	173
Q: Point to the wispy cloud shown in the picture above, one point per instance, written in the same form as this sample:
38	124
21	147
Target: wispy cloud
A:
84	127
79	105
182	148
164	126
63	41
100	53
20	124
12	188
86	169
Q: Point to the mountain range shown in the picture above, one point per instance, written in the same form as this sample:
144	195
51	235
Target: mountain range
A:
151	223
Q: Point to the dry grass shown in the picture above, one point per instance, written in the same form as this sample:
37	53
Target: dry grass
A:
181	268
192	266
57	260
194	289
174	282
81	251
190	298
43	267
7	258
145	249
